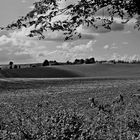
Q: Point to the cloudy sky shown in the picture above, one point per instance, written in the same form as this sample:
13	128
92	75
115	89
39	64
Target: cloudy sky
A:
123	42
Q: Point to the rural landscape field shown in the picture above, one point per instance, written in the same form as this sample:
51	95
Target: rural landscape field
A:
69	69
63	108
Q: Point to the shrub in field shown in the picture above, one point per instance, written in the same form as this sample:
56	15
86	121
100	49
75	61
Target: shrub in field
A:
45	63
11	64
118	120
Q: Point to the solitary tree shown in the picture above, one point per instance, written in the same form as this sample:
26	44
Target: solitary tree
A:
43	16
11	64
45	63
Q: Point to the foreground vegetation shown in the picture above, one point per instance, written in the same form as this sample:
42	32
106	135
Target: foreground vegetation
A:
64	110
115	121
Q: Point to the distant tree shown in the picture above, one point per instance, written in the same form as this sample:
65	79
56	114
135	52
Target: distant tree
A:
68	63
90	60
15	66
87	61
76	61
33	66
45	63
11	64
79	61
82	61
112	61
54	62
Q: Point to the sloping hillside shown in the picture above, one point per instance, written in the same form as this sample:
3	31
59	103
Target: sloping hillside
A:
68	71
38	72
105	70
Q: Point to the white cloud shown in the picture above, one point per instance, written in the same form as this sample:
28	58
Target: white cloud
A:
16	41
21	34
63	55
19	48
106	47
16	46
125	43
23	1
111	46
71	47
135	57
83	48
71	51
125	57
114	46
49	35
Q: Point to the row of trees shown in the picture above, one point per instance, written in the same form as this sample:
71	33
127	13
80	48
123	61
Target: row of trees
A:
86	61
119	62
76	61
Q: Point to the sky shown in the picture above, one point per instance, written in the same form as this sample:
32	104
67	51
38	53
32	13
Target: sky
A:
123	42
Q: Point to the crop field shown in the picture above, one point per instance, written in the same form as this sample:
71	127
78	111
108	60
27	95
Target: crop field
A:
63	109
71	71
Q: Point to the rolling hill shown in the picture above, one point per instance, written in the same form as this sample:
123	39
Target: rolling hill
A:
70	71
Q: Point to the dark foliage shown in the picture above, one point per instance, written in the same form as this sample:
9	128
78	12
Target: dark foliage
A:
45	63
11	64
81	13
90	61
15	66
79	61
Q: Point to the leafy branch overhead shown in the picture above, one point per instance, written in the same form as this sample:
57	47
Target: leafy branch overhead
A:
45	16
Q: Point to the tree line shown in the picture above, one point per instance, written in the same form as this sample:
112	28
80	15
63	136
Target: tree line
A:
91	60
76	61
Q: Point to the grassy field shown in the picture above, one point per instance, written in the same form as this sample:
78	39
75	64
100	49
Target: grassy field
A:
67	71
61	106
75	92
61	109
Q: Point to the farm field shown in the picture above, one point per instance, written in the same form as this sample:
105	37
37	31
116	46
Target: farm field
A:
43	108
65	92
72	71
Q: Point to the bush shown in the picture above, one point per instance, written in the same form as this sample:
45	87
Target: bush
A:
90	60
15	66
11	64
79	61
45	63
